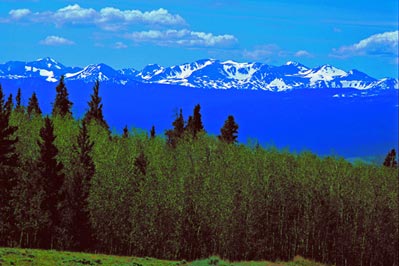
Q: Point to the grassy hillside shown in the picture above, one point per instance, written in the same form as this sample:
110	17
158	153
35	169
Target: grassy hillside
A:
13	256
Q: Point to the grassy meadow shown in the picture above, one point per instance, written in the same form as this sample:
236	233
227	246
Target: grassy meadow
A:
28	257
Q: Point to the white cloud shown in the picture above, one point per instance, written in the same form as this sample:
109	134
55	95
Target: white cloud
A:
19	13
264	52
70	14
120	45
303	53
378	44
182	38
108	18
56	41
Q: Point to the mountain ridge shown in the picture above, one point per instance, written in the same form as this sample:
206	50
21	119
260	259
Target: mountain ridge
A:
205	74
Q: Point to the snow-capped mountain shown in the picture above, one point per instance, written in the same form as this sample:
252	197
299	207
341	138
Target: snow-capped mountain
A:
207	74
45	68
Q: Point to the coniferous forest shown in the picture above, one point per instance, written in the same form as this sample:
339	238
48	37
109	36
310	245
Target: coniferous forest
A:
72	184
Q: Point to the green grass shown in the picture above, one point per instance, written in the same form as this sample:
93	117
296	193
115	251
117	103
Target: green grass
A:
32	257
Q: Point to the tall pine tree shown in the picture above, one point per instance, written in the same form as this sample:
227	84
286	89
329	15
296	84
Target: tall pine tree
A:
125	134
83	173
229	131
173	135
95	112
194	124
18	100
390	159
8	164
51	179
152	132
33	106
62	106
9	106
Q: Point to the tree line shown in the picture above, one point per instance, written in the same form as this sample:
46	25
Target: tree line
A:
71	184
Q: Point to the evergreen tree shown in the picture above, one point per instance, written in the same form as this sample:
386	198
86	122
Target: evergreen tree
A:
390	159
197	120
18	100
62	105
173	135
9	106
33	106
190	125
229	131
84	172
95	112
152	132
194	124
51	179
140	163
9	160
125	134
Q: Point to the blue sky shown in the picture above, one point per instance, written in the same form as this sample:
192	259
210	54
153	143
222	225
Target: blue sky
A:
346	34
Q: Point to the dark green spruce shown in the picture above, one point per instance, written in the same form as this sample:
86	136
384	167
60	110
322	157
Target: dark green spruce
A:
62	105
194	124
95	112
82	176
18	100
390	159
51	179
9	163
33	106
229	131
173	135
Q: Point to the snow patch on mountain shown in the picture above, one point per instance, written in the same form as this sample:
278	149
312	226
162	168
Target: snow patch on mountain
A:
279	85
206	74
323	74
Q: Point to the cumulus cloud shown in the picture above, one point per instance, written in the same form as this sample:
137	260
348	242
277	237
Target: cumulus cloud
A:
55	41
19	13
303	53
378	44
108	18
183	37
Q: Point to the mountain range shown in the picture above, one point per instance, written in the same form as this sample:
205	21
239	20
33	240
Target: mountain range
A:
206	74
325	109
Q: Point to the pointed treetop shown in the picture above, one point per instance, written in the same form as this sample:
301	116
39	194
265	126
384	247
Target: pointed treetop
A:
152	132
173	135
95	112
229	131
8	156
9	104
125	134
18	100
84	147
390	159
194	124
33	106
62	106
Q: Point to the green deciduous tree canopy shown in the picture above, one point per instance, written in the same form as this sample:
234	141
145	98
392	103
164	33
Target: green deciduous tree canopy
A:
70	185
